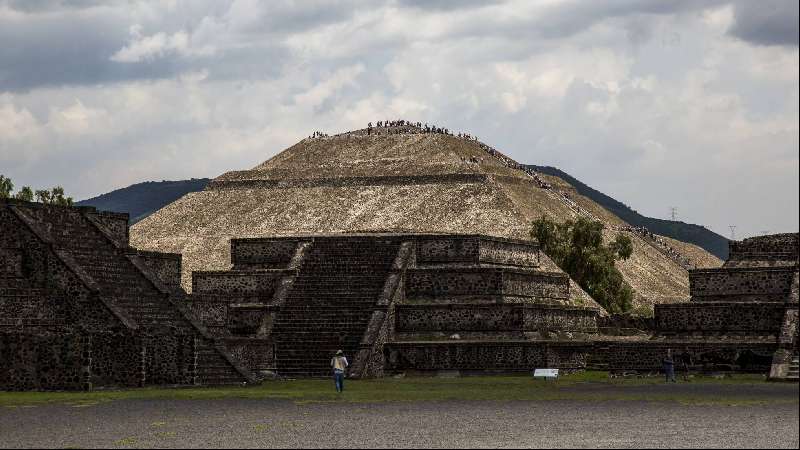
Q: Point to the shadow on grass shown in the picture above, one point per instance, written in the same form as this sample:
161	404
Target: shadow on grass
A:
585	386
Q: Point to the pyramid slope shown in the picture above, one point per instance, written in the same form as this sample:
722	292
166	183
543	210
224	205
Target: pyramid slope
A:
394	183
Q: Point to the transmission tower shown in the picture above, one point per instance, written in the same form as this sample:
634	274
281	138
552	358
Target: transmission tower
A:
673	212
733	232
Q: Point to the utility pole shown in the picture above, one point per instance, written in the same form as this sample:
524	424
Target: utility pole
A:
673	211
733	232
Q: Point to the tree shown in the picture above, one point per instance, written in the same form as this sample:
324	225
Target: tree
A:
6	186
57	197
26	194
43	196
54	196
577	248
622	246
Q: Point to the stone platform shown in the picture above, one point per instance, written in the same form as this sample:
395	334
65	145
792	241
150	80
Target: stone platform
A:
742	317
80	308
388	300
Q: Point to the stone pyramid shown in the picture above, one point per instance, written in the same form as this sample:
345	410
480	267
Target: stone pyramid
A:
398	179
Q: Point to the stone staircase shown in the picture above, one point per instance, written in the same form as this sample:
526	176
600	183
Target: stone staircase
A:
793	368
330	304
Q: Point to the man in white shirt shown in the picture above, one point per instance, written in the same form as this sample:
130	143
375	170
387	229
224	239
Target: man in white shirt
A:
339	364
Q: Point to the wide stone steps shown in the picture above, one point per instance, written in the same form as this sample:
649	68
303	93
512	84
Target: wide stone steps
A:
794	368
330	304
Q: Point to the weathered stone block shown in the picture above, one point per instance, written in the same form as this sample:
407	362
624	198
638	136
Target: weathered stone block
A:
455	282
741	284
11	263
262	253
755	318
262	283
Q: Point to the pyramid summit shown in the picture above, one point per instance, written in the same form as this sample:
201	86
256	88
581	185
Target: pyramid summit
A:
398	179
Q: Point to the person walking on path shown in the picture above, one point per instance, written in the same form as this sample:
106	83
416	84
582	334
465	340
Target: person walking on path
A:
339	364
669	367
685	359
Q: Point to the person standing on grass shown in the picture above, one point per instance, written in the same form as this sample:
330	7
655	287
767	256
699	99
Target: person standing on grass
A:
669	367
686	361
339	364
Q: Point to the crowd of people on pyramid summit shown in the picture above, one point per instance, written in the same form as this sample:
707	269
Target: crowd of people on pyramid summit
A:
402	126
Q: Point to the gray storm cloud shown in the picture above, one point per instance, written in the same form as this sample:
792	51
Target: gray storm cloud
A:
688	104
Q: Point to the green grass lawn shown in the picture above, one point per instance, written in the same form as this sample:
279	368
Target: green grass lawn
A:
586	386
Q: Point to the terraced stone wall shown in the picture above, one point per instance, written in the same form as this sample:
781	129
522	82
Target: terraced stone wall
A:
754	318
262	253
448	250
68	360
776	244
168	359
509	253
742	284
461	318
58	331
624	324
468	282
475	250
253	284
118	359
57	295
706	355
43	361
485	356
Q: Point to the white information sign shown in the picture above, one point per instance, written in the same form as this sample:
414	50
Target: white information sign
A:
545	373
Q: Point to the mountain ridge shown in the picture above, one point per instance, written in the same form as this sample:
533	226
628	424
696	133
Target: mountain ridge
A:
142	199
699	235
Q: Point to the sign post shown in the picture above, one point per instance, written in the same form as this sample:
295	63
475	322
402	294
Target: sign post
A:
547	374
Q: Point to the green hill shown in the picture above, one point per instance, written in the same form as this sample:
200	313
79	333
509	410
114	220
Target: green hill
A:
142	199
687	232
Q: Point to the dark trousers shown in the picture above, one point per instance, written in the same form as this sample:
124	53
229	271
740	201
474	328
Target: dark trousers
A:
338	380
669	372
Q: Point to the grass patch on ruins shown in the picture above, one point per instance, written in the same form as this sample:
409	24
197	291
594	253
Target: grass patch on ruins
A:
585	386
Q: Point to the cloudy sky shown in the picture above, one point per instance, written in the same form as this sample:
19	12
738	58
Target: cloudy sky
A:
658	103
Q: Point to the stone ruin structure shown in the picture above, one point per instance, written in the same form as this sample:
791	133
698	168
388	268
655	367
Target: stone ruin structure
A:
397	180
741	317
393	303
79	307
407	249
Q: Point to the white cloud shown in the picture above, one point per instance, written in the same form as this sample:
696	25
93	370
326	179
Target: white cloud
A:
146	48
654	103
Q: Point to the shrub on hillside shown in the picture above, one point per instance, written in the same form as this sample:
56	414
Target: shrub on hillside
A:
577	248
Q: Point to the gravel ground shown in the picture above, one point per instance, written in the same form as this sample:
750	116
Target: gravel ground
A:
238	423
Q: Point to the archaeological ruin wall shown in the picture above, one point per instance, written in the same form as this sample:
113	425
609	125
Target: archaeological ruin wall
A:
741	317
79	308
